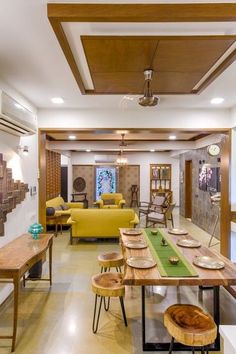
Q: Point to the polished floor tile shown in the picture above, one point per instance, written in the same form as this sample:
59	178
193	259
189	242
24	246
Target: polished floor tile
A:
58	320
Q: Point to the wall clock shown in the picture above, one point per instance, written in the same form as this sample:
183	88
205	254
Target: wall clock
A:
213	150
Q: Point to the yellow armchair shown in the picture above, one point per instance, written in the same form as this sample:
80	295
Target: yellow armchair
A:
110	201
65	213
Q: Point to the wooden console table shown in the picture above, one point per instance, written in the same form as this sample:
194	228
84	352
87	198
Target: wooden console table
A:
16	258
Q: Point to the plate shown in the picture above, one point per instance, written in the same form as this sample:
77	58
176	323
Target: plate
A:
141	262
132	232
185	242
178	232
135	244
208	262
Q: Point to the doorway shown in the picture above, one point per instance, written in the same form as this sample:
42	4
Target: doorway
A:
188	189
64	183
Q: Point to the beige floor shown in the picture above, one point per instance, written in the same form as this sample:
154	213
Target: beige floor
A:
58	320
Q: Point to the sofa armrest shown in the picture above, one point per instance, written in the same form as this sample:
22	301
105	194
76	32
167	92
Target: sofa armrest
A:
121	203
72	205
99	203
135	221
70	221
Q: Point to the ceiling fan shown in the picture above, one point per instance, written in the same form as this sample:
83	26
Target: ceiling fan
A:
148	100
123	143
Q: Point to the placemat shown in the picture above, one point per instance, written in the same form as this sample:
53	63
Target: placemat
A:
162	253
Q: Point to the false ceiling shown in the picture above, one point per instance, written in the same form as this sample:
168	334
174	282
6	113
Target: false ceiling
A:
131	135
184	61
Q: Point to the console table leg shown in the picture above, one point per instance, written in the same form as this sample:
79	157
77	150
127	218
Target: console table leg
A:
16	282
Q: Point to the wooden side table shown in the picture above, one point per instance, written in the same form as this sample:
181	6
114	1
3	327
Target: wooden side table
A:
80	197
54	220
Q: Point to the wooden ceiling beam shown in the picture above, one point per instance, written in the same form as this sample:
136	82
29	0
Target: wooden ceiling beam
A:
207	12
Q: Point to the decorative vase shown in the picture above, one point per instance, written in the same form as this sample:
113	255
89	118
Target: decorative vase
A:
35	229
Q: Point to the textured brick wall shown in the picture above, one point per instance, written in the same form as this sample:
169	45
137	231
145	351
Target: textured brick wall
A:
203	213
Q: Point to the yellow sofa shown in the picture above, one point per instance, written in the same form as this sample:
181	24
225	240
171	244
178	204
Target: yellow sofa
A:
100	222
110	201
64	214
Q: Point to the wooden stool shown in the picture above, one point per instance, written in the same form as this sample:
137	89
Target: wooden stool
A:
190	325
107	285
109	260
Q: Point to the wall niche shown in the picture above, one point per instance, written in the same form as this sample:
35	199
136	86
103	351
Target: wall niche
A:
11	192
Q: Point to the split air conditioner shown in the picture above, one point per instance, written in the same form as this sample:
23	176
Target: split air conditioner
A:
15	118
105	159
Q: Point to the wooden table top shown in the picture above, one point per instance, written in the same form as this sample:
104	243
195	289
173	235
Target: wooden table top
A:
15	254
151	276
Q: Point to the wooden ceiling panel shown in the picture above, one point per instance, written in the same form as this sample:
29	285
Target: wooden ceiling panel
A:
120	82
118	54
133	83
117	63
189	54
115	55
175	82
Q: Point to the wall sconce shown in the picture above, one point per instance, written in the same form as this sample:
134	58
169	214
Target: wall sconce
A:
24	149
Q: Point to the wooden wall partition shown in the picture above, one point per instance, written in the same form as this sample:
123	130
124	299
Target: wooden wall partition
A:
53	174
49	176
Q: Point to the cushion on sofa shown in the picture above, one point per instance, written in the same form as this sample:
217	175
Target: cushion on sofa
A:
50	211
109	201
64	207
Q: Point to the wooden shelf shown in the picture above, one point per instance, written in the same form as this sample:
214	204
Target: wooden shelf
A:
160	179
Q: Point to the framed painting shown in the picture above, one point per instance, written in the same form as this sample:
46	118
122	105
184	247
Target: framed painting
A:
106	180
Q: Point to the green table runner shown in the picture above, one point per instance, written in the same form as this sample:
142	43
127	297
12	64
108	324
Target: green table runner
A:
162	253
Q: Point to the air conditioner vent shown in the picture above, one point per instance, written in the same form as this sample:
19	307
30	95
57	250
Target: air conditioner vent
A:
15	118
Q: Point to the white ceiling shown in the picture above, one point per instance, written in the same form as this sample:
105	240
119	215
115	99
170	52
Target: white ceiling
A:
32	62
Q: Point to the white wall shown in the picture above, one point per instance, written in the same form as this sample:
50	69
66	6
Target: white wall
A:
145	118
144	160
24	168
66	161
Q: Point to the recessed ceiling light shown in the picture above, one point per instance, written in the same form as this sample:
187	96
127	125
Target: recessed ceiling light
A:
57	100
172	137
88	150
72	137
152	150
217	100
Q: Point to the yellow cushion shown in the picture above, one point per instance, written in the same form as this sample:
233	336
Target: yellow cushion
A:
116	196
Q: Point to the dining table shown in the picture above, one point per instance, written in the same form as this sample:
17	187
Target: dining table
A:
161	272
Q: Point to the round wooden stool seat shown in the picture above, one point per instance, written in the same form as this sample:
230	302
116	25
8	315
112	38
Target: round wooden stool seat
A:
190	325
110	259
108	284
